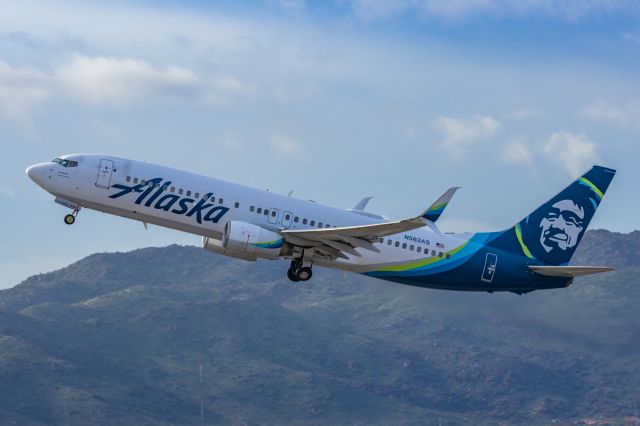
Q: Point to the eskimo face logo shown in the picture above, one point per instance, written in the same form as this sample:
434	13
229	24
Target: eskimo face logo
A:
152	190
562	226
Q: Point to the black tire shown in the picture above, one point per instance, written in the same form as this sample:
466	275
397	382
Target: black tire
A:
304	274
292	276
69	219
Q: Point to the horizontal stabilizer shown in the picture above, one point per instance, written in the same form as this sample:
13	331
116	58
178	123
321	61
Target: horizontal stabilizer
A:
435	210
568	271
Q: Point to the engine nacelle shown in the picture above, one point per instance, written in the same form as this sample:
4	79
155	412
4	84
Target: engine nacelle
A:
252	239
211	244
246	241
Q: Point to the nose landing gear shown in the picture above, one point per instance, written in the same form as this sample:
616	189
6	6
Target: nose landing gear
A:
70	219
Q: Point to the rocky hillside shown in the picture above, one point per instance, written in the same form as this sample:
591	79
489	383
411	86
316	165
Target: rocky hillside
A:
177	335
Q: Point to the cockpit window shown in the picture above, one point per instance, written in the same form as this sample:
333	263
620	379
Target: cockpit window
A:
65	163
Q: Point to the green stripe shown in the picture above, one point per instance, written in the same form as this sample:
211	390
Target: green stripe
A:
525	249
592	186
420	263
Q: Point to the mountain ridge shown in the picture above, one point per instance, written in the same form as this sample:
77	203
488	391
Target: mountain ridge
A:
119	338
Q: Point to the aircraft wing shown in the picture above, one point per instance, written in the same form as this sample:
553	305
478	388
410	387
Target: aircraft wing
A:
335	242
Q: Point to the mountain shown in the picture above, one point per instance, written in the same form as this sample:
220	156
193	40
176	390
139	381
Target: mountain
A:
154	336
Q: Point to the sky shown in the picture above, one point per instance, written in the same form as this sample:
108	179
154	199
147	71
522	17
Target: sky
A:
336	100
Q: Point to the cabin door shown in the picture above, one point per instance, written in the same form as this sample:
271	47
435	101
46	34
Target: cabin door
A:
104	174
490	263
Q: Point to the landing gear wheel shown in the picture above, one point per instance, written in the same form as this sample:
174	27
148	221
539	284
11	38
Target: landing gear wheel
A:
69	219
292	276
304	274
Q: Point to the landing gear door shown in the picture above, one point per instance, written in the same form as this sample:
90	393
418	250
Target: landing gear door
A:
104	174
490	263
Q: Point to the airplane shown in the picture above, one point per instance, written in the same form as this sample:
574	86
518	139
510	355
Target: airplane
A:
250	224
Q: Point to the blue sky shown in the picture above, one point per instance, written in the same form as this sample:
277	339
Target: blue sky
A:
336	100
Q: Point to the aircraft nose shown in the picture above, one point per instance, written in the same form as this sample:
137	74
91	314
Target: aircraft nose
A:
36	173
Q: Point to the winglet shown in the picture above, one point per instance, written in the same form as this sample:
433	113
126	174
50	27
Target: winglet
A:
362	203
435	210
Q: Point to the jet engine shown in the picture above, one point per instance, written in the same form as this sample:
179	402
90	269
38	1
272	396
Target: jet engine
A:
246	241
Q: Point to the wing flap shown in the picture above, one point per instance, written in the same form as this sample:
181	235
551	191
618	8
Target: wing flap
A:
569	271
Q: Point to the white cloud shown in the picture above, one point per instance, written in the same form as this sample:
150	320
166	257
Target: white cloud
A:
100	79
284	144
459	134
608	111
21	89
516	152
575	152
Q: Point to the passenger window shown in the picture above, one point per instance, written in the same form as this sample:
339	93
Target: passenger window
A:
165	187
220	201
273	213
236	205
319	224
404	245
411	247
397	244
286	217
419	249
266	212
197	195
135	180
327	226
304	221
173	189
128	178
213	199
188	193
296	219
312	223
389	242
180	191
142	181
440	254
259	210
252	208
433	253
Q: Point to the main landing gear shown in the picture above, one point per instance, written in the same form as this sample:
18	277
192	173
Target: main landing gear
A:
300	269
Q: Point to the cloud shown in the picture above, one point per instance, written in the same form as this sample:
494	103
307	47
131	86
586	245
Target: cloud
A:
516	152
463	9
21	89
460	134
284	145
100	79
607	111
575	152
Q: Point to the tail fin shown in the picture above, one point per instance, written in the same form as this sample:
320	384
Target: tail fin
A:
552	232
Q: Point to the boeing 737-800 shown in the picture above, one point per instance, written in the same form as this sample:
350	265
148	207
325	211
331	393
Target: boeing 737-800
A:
249	224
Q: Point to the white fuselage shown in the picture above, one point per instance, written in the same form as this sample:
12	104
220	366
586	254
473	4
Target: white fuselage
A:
97	180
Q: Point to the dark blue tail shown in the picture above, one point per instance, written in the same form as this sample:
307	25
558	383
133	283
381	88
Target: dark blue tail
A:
552	232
